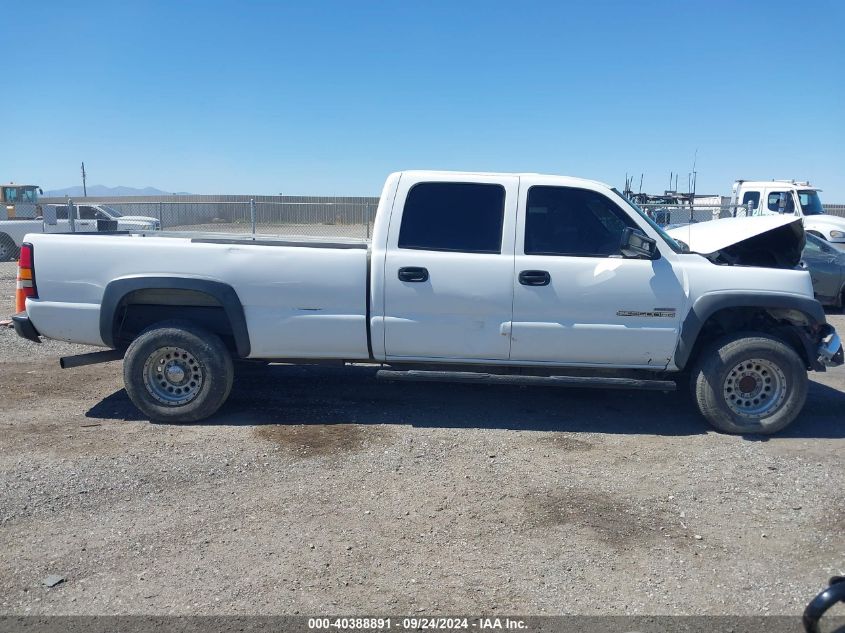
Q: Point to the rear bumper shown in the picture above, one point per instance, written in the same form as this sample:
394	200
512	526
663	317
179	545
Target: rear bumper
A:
25	328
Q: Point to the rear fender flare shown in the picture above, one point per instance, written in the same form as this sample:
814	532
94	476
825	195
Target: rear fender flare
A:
118	289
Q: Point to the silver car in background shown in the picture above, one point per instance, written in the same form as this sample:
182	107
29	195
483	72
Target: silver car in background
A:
826	265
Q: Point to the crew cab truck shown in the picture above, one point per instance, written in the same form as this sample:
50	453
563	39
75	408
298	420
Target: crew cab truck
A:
517	278
789	197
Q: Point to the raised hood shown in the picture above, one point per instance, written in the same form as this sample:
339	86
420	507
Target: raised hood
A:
773	241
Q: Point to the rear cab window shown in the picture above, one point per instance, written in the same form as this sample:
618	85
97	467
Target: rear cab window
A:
752	197
453	217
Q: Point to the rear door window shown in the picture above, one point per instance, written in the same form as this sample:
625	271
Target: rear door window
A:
453	216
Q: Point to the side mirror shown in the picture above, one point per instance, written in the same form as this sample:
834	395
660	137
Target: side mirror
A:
49	215
751	206
635	243
782	202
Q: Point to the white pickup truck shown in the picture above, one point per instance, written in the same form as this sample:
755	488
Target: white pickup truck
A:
517	278
87	218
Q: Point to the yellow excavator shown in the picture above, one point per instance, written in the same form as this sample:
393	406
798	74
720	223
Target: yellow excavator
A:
20	201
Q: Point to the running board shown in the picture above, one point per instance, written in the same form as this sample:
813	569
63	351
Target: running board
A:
92	358
586	382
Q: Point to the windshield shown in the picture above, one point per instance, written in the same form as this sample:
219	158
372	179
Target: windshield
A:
112	211
811	204
671	242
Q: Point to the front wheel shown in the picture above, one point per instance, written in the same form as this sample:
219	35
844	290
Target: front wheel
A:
749	383
178	373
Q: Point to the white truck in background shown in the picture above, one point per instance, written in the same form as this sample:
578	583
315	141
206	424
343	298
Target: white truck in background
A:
54	219
789	197
500	278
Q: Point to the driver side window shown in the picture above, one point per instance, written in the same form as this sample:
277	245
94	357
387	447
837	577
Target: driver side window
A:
572	221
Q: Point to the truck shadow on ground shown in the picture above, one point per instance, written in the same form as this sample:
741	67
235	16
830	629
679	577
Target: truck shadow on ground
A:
290	395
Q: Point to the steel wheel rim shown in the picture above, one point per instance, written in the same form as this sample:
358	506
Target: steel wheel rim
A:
5	250
173	376
755	388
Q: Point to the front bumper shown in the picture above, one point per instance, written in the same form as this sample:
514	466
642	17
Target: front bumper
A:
25	328
830	352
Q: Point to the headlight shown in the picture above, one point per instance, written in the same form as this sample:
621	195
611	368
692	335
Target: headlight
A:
837	234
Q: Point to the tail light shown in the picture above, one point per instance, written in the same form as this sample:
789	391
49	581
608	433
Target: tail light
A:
26	278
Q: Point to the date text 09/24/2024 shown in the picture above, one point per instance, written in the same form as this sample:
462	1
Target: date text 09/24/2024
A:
416	623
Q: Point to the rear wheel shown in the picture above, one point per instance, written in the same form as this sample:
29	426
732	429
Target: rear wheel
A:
178	373
8	248
749	383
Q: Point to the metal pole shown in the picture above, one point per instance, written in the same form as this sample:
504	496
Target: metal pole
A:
161	215
252	214
71	212
367	217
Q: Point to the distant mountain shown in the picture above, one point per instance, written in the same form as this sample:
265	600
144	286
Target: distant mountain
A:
102	190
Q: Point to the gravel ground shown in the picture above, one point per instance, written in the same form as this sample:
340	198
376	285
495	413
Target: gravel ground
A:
321	490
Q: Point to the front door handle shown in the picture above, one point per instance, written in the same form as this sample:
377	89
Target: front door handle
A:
535	278
413	273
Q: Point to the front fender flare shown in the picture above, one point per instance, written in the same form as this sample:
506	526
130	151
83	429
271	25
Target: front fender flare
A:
707	305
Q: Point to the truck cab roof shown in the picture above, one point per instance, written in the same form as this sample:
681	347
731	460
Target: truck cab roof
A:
797	184
560	180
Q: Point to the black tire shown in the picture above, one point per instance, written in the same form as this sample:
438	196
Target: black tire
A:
175	372
749	383
8	249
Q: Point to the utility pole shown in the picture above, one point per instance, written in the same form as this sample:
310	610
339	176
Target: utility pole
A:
84	188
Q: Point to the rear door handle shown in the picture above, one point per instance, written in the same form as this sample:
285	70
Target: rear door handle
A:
535	278
413	273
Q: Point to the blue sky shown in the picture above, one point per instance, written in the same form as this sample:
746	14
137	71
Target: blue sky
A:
328	97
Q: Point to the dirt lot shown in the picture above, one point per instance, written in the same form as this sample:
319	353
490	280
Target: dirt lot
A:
320	490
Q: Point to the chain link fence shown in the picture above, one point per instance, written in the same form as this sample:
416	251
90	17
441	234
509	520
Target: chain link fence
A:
674	214
350	217
345	217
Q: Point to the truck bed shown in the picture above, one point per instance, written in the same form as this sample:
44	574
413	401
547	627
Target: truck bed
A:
301	297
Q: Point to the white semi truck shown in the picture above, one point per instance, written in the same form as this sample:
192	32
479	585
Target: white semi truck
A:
789	197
